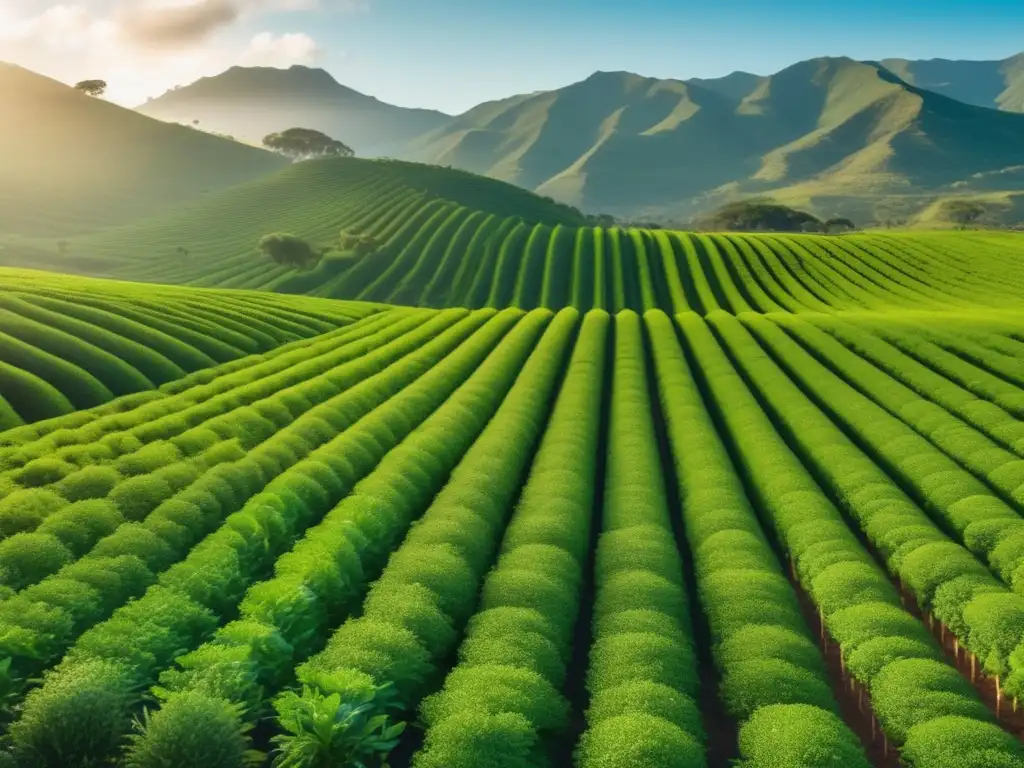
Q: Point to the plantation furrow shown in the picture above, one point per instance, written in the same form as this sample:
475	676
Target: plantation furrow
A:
928	382
978	381
504	699
428	590
179	406
702	295
758	277
558	269
529	280
324	577
98	680
810	275
853	595
778	271
997	468
484	279
443	283
642	675
773	676
945	490
943	577
159	525
470	266
510	254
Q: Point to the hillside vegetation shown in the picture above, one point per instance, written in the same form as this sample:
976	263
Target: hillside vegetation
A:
401	516
71	163
446	238
68	344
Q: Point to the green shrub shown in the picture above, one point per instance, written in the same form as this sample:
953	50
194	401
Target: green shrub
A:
75	718
136	497
25	510
639	741
524	650
492	690
93	482
907	692
649	698
472	739
44	472
148	459
25	558
765	641
788	735
870	656
961	742
192	729
750	685
621	658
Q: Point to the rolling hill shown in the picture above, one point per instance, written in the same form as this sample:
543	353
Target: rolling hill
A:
832	133
68	343
70	163
995	84
424	215
251	102
448	238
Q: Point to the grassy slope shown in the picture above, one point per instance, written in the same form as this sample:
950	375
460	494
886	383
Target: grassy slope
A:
315	199
68	343
70	163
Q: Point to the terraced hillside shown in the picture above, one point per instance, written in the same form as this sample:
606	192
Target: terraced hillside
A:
410	208
787	538
68	343
450	239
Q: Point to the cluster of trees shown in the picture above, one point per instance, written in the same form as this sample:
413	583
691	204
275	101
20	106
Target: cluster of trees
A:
304	143
765	215
293	251
92	87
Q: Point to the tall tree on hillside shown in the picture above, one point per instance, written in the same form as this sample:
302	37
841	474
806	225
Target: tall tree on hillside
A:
301	143
92	87
964	212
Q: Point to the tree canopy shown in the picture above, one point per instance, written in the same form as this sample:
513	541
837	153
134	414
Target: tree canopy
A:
305	142
290	250
762	214
92	87
964	212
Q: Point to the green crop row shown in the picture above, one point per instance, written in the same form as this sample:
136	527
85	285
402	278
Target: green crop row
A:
769	665
886	649
503	700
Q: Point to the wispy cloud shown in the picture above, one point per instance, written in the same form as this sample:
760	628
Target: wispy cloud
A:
143	47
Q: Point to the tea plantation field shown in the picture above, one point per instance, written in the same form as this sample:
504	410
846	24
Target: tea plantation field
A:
788	538
511	491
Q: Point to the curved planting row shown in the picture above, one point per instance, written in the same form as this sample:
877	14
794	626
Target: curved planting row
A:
509	538
74	344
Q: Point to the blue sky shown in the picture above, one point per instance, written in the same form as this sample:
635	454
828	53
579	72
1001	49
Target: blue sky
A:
452	54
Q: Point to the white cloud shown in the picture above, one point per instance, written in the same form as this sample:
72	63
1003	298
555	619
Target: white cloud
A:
269	50
144	47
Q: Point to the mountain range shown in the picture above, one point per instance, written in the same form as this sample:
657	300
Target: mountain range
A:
865	139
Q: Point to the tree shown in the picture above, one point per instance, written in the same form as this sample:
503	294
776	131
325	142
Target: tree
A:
290	251
811	226
299	143
838	224
182	252
92	87
964	212
759	214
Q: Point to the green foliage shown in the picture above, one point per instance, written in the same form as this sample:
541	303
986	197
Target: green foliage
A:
323	730
289	250
784	735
